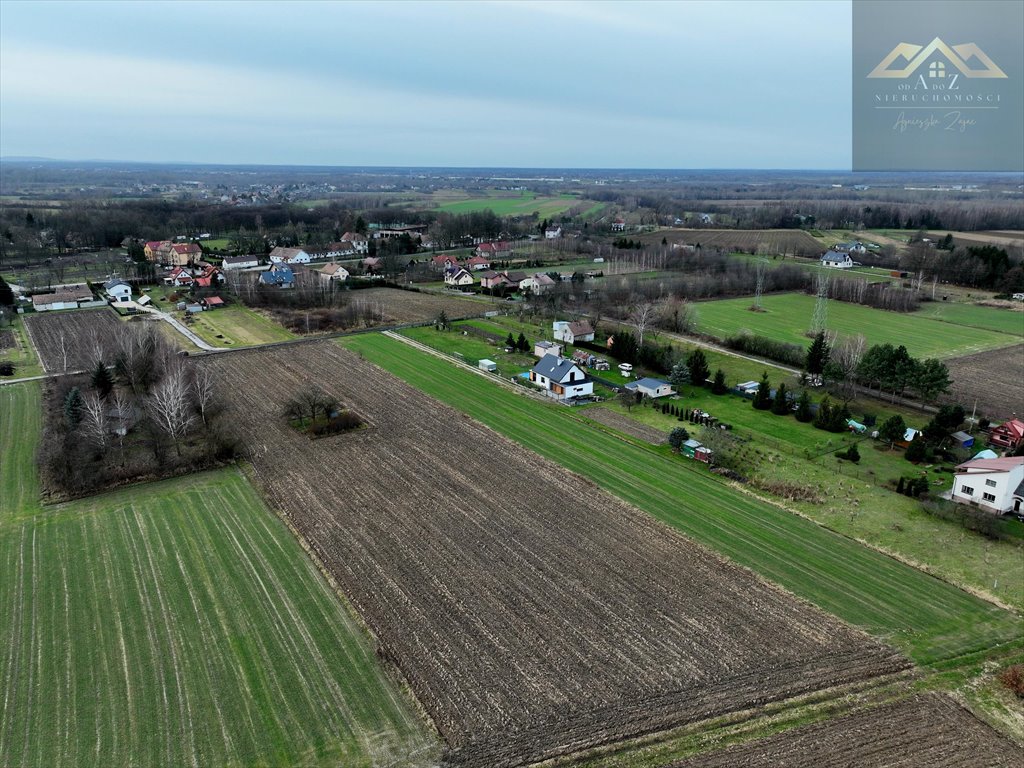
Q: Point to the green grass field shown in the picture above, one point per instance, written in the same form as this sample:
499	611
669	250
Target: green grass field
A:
788	316
237	326
512	204
926	617
177	623
23	354
975	316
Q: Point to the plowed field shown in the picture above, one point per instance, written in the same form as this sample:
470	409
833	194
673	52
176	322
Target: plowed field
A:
994	379
67	341
532	613
929	731
789	242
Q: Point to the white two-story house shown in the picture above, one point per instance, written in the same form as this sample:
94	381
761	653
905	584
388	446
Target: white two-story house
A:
994	484
561	378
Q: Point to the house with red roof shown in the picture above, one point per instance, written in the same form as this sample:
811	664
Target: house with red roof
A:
993	484
443	261
183	254
498	250
1009	435
476	263
212	302
180	277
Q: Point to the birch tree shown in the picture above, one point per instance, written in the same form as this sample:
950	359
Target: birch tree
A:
95	423
169	405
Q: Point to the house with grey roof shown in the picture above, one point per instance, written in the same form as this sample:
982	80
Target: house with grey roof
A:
649	387
118	291
561	378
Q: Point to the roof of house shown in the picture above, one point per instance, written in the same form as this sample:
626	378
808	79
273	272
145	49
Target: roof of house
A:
154	244
542	279
184	248
515	277
279	273
333	269
204	282
60	297
961	437
474	260
241	259
286	253
547	344
371	261
691	443
1014	426
443	258
650	383
215	301
554	367
110	284
582	328
353	237
993	465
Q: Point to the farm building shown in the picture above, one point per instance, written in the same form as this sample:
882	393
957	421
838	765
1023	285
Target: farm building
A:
542	348
694	449
279	275
994	484
572	333
649	387
240	262
282	255
1008	435
69	298
487	365
118	291
836	260
561	378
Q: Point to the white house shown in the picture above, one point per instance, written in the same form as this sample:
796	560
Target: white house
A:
333	271
458	277
553	233
359	242
561	378
118	291
536	284
836	260
542	348
651	387
66	299
571	333
282	255
994	484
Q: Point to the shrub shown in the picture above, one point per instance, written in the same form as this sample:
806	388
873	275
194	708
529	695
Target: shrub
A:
852	454
916	452
1013	678
791	354
677	437
6	368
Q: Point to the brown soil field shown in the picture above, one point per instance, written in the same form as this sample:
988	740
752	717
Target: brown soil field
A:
776	241
532	614
7	339
624	424
411	307
994	378
79	334
1002	239
928	731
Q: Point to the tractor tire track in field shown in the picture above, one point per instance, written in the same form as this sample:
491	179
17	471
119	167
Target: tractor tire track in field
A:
532	614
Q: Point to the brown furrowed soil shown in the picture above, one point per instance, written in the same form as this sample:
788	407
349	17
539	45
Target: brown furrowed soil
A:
994	378
7	339
68	341
532	614
401	307
623	423
928	731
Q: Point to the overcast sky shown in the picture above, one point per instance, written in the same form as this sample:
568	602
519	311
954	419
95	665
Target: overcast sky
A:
551	84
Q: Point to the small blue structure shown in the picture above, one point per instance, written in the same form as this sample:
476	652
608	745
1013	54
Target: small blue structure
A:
963	439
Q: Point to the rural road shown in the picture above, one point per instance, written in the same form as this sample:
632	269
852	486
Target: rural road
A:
180	327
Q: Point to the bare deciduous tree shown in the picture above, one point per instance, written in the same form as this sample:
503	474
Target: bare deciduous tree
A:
169	405
204	387
843	362
641	316
95	423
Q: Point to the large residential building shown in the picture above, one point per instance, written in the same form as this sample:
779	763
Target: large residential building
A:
993	484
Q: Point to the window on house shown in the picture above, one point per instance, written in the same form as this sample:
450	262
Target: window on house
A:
988	496
966	490
990	483
937	69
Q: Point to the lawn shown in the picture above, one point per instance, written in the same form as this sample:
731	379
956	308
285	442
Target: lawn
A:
177	623
237	326
23	355
786	317
975	316
522	204
928	618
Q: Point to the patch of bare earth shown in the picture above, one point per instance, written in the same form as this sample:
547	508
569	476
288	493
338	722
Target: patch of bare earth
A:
71	341
929	731
995	379
625	424
532	614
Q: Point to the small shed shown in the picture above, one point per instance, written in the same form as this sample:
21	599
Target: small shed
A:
689	448
963	439
487	365
542	348
143	300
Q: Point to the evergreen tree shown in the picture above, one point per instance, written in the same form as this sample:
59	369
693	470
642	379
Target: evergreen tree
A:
763	398
817	355
823	418
522	344
73	406
677	437
916	452
697	362
510	341
718	387
102	381
892	430
6	294
852	454
900	486
780	403
803	408
680	375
